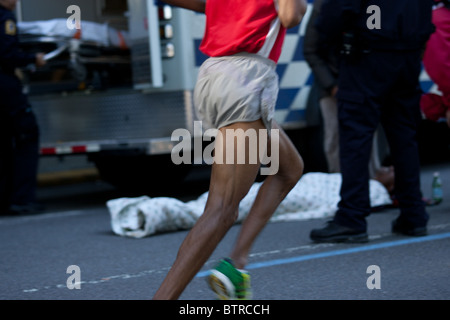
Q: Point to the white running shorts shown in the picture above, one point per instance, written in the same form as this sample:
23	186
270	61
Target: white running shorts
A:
238	88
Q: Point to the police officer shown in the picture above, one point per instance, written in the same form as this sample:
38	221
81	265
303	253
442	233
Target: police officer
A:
19	132
382	42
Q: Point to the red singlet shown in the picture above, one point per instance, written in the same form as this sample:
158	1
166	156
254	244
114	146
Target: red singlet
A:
234	26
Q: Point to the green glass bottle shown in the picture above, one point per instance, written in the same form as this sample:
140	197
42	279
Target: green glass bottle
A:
436	186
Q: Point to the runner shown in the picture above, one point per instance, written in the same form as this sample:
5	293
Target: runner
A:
236	93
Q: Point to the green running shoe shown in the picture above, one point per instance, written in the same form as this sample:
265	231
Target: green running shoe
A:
230	283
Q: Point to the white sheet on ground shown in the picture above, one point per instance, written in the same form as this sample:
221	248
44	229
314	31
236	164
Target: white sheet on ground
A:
316	195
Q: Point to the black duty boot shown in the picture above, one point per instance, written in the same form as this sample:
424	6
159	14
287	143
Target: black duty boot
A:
26	209
334	232
408	230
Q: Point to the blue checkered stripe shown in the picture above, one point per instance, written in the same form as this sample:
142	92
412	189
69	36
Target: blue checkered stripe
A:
296	78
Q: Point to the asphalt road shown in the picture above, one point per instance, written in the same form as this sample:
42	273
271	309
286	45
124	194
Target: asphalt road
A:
36	252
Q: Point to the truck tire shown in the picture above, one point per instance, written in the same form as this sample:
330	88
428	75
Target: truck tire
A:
134	171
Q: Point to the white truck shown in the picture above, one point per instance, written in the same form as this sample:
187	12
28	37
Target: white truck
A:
120	103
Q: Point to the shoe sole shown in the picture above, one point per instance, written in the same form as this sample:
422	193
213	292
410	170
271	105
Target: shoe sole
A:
221	285
358	238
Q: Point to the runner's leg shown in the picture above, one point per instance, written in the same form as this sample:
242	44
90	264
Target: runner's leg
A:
229	184
274	189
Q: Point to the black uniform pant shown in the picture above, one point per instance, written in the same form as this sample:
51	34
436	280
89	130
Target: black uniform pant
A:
379	87
19	145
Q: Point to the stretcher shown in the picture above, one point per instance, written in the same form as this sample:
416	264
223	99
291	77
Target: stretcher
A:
94	51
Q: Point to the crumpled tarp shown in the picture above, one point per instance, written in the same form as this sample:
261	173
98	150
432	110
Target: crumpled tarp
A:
316	195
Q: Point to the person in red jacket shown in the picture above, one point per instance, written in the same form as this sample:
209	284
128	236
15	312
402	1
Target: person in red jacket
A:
436	61
236	91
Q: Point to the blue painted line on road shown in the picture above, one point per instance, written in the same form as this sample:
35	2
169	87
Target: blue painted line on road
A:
276	262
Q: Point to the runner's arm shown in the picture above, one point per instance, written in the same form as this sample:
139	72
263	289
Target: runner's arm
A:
195	5
291	12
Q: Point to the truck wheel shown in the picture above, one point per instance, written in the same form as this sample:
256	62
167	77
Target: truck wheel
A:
140	172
